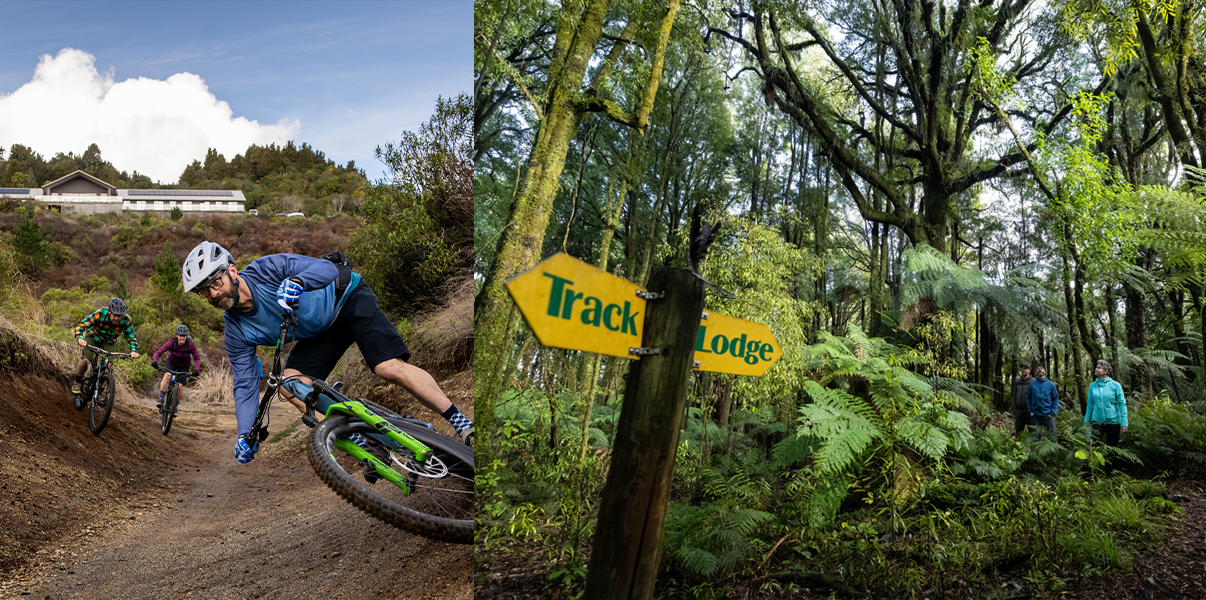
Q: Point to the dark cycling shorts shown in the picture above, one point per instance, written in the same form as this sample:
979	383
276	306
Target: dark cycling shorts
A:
360	321
171	365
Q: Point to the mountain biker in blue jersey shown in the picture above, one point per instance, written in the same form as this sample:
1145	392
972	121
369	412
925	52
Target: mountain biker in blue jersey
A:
333	309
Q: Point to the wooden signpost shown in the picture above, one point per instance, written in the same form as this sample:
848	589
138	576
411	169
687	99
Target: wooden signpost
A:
570	304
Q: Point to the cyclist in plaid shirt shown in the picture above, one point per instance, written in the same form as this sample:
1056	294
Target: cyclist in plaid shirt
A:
102	329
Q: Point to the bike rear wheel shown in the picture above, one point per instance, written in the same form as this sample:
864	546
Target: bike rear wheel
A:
168	410
102	403
440	505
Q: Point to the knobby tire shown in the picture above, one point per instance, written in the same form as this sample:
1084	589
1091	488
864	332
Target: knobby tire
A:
169	407
98	415
438	508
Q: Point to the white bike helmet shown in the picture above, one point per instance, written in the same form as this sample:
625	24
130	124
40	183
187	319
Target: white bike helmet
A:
203	263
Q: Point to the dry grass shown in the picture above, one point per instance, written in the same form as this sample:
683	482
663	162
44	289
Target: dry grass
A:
19	350
443	339
213	386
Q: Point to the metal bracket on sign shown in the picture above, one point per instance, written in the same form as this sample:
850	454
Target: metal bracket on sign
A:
695	364
705	316
644	351
650	295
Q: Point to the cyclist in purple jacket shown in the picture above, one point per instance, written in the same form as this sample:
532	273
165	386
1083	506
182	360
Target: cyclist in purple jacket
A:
179	349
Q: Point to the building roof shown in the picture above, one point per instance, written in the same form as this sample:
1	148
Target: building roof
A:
178	195
76	175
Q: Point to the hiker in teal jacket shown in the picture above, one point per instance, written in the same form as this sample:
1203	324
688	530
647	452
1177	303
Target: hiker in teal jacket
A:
1106	405
1043	403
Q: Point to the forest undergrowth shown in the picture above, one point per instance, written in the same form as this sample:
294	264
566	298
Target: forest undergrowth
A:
889	484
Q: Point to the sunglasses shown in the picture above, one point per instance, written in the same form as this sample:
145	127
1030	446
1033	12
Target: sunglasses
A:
213	285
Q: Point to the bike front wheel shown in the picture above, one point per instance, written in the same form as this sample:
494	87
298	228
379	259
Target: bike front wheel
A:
440	502
168	410
102	403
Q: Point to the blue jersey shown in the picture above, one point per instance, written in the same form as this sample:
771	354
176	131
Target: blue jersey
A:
261	326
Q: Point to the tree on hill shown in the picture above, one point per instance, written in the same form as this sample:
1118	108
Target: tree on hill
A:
167	274
30	243
267	174
418	228
26	168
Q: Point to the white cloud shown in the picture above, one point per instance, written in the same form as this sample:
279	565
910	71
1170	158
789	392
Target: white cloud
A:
152	126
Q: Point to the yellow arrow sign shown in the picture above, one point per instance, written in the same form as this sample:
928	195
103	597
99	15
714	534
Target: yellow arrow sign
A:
727	344
570	304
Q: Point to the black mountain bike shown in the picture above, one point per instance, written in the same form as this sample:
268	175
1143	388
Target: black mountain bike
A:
167	412
97	390
393	467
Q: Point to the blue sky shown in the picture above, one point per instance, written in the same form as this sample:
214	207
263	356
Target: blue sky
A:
344	77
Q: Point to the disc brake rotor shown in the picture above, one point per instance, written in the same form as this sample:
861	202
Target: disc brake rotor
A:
433	467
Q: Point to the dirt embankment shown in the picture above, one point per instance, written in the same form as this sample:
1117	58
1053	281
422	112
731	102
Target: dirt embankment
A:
135	514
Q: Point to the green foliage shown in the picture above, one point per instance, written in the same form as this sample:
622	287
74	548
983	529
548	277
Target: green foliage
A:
167	274
1017	308
138	373
9	263
962	534
1116	25
753	261
867	409
1174	225
121	287
711	540
418	228
1167	436
30	243
176	213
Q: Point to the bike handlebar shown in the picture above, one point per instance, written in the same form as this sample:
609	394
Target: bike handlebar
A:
106	352
185	373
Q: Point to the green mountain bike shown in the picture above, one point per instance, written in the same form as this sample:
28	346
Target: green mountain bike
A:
393	467
98	389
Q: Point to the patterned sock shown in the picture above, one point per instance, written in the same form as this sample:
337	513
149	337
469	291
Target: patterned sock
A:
161	395
459	421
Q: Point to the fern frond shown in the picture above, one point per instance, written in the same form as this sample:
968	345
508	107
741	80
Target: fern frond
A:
927	438
697	560
791	450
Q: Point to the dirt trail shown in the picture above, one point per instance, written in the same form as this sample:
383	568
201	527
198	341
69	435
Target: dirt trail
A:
197	524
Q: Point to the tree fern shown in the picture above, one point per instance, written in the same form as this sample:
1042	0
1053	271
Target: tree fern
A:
711	540
846	426
870	410
1016	307
792	450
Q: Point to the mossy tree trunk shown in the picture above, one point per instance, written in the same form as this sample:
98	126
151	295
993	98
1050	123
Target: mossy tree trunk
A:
578	31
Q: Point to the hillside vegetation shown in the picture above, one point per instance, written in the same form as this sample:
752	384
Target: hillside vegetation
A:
274	178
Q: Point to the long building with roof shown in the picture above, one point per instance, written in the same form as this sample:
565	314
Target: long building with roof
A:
82	193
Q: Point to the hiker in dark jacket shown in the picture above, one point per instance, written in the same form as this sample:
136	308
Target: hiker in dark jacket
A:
1021	395
1043	403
